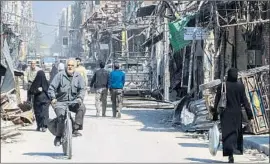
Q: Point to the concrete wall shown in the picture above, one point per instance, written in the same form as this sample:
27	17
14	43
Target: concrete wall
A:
229	51
241	49
266	41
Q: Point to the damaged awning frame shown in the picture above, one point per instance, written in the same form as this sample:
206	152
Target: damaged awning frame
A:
153	40
3	71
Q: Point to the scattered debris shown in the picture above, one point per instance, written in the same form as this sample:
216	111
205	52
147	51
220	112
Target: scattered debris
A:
255	155
194	115
12	116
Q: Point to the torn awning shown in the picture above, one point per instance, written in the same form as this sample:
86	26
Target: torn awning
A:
146	10
177	29
3	71
8	82
155	38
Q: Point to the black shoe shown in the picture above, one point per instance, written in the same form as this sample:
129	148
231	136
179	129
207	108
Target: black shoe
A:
76	133
104	115
231	159
38	129
57	141
43	129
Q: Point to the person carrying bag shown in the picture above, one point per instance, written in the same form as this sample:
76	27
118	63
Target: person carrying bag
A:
230	96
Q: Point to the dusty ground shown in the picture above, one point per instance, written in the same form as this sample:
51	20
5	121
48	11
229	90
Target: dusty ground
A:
141	135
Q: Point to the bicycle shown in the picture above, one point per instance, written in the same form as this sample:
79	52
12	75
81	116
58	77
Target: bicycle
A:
66	138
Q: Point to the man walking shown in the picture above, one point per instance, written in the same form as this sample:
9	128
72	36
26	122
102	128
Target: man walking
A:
81	69
100	83
30	75
68	85
61	66
116	85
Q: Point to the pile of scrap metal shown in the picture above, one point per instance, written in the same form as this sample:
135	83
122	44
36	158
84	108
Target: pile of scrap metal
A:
194	115
12	114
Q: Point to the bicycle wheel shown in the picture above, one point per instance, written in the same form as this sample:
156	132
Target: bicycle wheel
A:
67	143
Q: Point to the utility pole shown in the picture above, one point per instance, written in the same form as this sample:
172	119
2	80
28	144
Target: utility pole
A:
166	59
124	40
111	48
67	31
195	66
191	60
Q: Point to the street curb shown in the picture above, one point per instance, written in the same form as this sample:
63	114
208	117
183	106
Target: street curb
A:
263	148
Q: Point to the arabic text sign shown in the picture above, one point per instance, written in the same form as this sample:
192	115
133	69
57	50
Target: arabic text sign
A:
198	33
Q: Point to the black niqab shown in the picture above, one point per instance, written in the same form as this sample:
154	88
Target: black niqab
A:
40	81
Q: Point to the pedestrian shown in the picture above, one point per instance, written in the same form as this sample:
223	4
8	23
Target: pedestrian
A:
81	69
68	85
100	83
116	84
24	66
19	67
43	66
231	117
39	89
30	75
61	66
53	72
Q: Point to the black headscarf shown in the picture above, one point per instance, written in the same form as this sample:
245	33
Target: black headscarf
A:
40	81
232	75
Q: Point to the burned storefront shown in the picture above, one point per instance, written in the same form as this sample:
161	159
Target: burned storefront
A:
232	34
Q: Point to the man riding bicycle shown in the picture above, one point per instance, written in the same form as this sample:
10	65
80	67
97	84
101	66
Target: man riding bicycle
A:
68	85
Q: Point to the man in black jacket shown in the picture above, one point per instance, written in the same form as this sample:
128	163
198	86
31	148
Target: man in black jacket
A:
100	83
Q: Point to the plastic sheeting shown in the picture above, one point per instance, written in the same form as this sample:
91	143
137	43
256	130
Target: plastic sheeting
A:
9	79
214	140
187	117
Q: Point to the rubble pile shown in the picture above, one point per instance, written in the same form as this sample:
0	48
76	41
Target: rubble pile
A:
12	116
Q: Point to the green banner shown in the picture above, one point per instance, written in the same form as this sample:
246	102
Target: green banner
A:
176	29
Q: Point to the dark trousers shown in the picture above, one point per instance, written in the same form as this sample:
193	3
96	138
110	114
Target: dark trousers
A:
29	96
79	110
117	100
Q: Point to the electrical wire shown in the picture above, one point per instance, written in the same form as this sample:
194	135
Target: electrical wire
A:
43	35
39	22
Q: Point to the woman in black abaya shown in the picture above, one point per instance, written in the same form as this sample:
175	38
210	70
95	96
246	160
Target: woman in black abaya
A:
231	117
39	89
53	72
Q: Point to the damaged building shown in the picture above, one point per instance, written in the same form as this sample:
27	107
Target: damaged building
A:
232	34
193	44
187	47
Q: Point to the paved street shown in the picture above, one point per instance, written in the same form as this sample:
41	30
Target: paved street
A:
141	135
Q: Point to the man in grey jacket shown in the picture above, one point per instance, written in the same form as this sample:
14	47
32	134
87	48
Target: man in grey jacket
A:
68	85
100	83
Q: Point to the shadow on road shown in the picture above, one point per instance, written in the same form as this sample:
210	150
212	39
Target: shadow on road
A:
29	130
204	160
153	120
197	145
47	154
